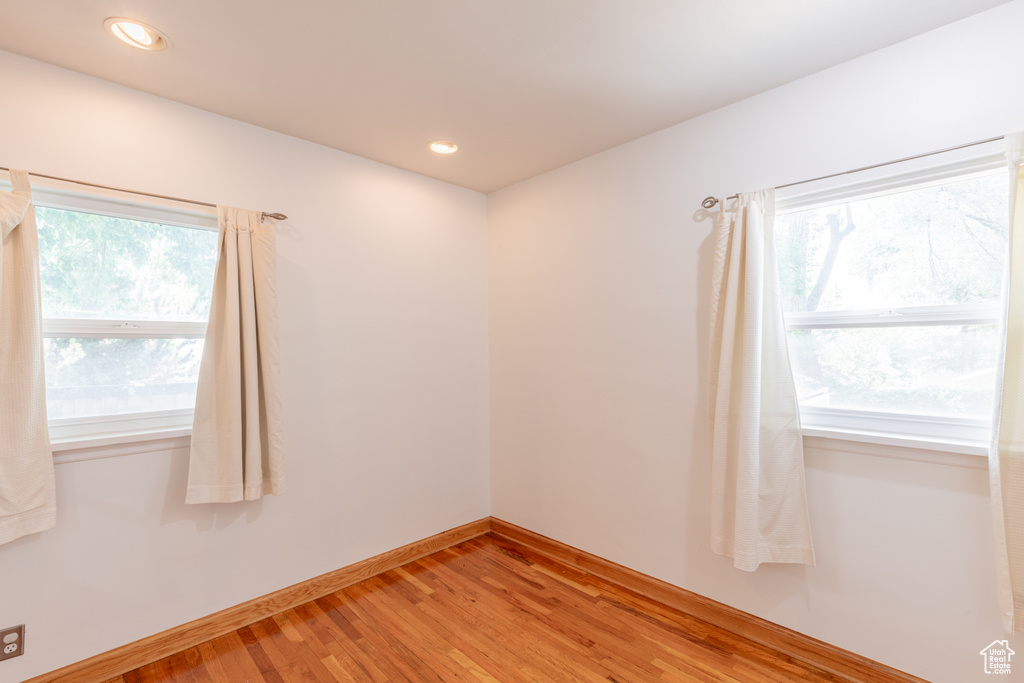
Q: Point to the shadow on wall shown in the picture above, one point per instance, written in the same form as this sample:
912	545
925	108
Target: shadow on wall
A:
698	517
771	585
206	517
293	285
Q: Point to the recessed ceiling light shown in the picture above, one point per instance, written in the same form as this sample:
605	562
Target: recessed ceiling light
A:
443	147
136	34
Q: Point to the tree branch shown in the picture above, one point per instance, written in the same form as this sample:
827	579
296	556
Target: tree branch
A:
836	237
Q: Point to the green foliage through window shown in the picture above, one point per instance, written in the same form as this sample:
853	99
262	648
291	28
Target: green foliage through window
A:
941	245
97	267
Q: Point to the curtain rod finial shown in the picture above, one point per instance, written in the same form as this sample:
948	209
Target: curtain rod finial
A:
709	202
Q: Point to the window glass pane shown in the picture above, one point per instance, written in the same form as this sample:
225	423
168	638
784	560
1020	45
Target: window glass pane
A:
927	246
91	377
95	266
945	370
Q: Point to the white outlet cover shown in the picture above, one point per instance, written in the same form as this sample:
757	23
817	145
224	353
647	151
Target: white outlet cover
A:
11	637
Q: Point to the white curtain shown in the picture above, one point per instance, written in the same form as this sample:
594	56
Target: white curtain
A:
27	494
237	450
758	497
1006	457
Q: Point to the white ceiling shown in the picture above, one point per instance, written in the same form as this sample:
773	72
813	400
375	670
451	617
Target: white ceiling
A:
523	86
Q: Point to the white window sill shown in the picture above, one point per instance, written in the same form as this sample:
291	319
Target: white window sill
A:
958	453
955	453
945	440
115	445
108	436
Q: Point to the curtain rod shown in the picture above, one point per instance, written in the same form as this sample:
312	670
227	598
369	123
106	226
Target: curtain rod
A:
709	202
275	216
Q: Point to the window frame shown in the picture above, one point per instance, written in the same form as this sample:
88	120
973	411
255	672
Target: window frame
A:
957	435
96	435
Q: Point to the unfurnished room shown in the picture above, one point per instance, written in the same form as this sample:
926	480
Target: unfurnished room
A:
511	340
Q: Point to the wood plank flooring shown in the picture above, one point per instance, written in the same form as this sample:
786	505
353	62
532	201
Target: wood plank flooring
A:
484	610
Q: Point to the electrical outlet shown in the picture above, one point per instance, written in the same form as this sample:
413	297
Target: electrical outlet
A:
12	641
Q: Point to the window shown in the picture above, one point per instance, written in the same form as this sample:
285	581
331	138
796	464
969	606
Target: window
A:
892	294
126	296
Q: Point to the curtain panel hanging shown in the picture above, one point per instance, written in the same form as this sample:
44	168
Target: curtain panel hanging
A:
1006	456
237	450
758	496
27	492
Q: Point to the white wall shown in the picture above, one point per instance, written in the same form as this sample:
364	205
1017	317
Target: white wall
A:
598	289
383	312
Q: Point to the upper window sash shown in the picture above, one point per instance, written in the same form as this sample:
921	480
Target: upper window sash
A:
955	314
54	195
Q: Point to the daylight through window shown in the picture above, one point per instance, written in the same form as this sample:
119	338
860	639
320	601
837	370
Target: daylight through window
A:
892	299
125	304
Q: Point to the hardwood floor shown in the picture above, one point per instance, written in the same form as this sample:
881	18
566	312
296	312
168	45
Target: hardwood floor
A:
484	610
